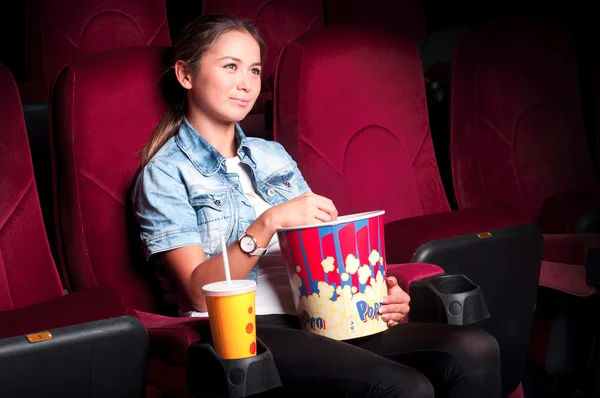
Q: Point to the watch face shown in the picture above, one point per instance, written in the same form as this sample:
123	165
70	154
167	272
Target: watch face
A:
247	243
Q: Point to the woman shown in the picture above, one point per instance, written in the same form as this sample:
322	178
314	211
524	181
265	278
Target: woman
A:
202	178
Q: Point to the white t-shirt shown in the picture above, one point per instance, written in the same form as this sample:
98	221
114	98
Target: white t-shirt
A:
274	293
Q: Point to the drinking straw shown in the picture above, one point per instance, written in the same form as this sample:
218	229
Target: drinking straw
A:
225	260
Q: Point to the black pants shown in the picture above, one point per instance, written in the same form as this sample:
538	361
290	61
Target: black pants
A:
408	360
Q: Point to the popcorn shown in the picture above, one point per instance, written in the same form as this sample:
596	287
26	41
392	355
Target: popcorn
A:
328	264
342	312
352	264
374	257
364	273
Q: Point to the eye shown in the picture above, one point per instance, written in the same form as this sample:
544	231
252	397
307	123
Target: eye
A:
231	66
256	71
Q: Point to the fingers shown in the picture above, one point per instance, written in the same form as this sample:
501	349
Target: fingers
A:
320	215
327	206
392	282
321	203
392	309
396	317
397	297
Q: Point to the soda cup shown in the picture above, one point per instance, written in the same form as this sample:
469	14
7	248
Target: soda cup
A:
231	312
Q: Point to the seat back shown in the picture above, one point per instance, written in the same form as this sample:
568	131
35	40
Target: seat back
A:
60	31
27	272
104	109
350	108
406	17
278	21
517	130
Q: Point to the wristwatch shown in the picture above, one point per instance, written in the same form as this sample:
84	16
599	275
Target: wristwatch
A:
249	246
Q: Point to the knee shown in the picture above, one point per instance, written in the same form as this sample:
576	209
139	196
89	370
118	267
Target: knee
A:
421	388
408	383
478	350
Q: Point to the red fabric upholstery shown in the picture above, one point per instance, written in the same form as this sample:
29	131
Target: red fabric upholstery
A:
518	138
406	17
383	122
518	141
75	308
103	114
171	337
404	237
62	30
279	22
561	212
518	393
27	272
564	257
517	130
408	273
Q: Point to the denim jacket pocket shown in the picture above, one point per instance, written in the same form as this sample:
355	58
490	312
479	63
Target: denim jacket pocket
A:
215	214
284	181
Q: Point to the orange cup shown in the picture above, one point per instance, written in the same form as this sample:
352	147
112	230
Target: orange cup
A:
231	312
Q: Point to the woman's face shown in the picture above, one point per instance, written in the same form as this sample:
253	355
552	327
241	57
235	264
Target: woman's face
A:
228	82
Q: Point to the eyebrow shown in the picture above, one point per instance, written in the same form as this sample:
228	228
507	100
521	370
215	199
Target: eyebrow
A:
239	60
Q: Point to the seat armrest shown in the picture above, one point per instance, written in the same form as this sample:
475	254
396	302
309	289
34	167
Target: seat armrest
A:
404	237
80	345
170	337
406	274
74	308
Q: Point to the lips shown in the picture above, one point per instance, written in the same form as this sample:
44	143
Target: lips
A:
241	102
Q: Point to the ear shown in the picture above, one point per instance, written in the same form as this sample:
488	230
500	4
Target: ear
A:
184	74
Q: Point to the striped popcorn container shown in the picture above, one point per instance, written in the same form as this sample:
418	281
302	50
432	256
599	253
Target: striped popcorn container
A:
337	271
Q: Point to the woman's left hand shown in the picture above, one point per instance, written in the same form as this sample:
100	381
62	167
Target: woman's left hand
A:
396	304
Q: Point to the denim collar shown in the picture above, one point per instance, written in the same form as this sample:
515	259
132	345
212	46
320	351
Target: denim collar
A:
203	155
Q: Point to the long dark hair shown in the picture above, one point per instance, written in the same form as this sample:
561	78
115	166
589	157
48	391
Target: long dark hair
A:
195	40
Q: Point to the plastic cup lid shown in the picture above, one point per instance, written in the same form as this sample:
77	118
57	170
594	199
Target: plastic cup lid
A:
340	220
229	289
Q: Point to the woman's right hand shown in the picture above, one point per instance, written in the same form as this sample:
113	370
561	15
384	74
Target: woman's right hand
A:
307	208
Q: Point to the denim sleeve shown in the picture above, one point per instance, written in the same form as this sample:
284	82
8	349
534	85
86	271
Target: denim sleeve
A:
167	219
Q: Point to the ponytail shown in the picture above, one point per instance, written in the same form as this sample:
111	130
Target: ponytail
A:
167	128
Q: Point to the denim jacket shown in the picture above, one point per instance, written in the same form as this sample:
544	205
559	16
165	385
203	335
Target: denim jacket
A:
185	196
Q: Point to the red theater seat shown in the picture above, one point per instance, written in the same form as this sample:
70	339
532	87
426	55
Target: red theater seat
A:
518	141
60	31
518	137
103	114
31	295
350	108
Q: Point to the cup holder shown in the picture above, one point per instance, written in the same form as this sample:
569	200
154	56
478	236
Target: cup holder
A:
209	374
451	299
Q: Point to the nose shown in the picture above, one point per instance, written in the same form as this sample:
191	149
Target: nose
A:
244	82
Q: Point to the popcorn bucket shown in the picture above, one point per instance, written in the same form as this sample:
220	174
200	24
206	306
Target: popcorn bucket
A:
337	271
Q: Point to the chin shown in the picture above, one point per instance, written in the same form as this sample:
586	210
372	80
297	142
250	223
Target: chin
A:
235	117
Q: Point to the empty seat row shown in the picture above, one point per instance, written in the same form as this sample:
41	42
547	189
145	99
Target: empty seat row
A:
59	32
